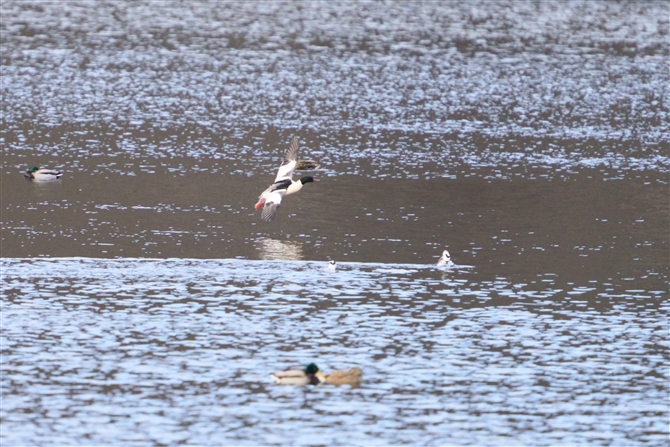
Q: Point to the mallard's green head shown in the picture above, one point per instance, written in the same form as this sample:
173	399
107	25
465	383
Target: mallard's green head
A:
317	376
311	369
33	169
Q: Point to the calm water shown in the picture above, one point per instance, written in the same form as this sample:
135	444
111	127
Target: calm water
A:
145	302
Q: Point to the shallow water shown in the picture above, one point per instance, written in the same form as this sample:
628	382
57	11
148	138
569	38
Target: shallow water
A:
144	301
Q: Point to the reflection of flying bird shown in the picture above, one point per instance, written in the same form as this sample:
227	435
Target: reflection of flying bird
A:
276	250
271	198
38	174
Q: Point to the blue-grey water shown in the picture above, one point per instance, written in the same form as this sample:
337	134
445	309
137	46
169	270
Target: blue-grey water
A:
144	302
139	351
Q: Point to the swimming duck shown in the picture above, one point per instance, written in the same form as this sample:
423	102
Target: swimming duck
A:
35	173
340	377
445	260
271	198
310	375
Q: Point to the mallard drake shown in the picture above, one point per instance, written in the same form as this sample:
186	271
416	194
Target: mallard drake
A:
35	173
341	377
445	260
271	198
310	375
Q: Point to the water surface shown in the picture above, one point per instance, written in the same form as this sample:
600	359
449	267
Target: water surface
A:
136	351
144	301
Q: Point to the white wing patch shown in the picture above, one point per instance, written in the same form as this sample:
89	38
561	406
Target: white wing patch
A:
290	160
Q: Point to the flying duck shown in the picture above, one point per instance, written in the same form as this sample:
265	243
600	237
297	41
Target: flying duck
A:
35	173
310	375
271	198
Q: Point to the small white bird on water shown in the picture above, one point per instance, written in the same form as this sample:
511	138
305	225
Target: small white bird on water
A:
41	175
271	198
445	260
332	265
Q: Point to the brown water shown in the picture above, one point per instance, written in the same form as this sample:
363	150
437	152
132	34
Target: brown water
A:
144	301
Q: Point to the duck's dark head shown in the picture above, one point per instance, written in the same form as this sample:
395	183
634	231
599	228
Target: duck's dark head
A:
315	376
308	179
33	169
311	369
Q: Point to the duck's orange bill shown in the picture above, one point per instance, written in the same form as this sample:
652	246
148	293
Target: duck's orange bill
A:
260	204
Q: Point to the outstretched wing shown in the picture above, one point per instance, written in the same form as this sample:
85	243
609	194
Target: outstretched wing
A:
271	205
307	165
290	160
292	152
270	199
273	197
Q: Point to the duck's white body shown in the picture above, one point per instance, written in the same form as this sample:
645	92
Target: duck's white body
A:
42	175
271	198
332	265
445	260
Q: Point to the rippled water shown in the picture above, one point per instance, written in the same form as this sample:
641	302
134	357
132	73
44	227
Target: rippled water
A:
167	351
540	84
144	301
